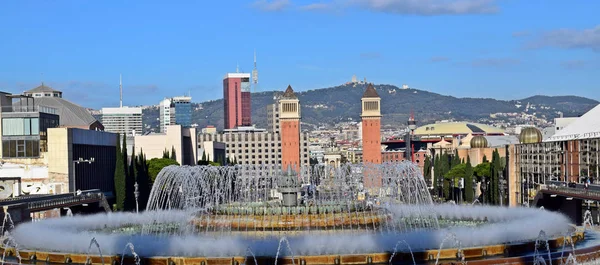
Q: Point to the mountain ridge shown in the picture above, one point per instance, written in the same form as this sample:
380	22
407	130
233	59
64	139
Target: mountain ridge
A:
323	106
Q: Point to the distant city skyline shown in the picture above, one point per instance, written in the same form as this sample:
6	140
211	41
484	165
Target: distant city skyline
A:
464	48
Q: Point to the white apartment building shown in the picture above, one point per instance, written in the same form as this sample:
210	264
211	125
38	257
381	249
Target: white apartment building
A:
166	114
124	120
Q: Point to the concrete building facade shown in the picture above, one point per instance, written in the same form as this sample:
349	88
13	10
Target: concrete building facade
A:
183	140
253	147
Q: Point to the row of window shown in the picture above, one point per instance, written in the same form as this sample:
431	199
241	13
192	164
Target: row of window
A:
20	148
20	126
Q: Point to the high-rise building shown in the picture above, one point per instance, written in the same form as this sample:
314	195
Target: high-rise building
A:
371	126
289	119
237	100
124	120
183	110
165	116
175	111
273	116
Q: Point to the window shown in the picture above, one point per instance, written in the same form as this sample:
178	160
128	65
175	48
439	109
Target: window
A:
20	148
20	126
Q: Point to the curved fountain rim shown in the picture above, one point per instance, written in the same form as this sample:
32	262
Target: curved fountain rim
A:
482	253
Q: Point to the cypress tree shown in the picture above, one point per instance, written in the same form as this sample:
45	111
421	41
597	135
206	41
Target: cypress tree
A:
119	177
173	156
165	154
469	195
143	179
436	173
129	184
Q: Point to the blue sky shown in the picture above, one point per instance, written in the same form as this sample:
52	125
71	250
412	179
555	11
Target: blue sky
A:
505	49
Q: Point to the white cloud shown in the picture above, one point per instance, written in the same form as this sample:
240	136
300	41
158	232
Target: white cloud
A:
404	7
315	7
437	59
495	62
429	7
274	5
569	39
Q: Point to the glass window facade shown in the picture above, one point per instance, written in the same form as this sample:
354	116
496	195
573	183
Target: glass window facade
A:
183	113
20	126
20	148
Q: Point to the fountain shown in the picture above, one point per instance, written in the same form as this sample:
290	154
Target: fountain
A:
353	214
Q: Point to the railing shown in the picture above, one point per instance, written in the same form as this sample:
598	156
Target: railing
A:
28	108
37	201
574	191
65	201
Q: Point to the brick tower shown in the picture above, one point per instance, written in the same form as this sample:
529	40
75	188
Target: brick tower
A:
289	119
371	126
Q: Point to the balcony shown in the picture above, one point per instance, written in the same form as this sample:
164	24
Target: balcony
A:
29	109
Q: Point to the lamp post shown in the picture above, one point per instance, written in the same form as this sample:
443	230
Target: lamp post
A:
75	162
136	193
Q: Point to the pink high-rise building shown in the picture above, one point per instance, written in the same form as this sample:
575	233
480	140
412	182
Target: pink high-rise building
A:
237	100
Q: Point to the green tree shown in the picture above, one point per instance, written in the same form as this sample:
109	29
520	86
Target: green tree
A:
165	154
496	168
469	195
454	176
455	159
437	169
484	159
130	184
173	155
427	169
155	165
143	179
483	172
120	175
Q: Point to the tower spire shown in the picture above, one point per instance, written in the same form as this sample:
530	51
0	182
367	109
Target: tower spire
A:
255	73
237	68
121	90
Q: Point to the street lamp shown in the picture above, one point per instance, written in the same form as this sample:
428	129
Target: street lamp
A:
75	162
136	193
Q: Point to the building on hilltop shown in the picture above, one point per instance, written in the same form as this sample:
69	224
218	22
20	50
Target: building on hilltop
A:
237	100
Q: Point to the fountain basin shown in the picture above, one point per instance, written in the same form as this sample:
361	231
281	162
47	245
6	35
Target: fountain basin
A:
493	254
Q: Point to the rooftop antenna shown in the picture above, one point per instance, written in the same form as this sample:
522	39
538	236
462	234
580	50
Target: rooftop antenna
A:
42	79
237	68
121	90
255	73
